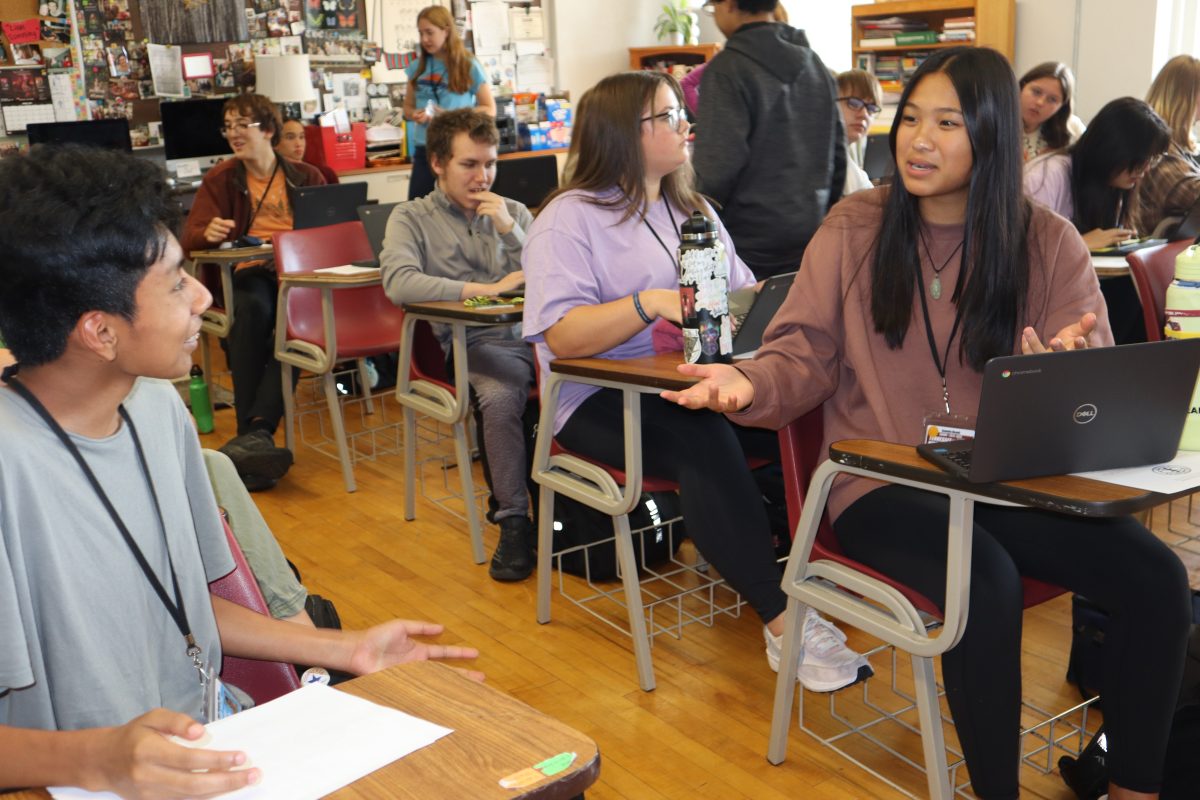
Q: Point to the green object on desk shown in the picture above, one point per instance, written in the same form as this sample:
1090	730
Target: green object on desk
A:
555	764
483	301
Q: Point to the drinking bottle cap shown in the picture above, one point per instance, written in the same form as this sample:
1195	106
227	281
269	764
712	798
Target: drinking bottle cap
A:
698	227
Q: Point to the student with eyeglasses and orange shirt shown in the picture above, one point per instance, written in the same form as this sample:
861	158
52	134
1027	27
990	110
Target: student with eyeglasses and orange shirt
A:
250	194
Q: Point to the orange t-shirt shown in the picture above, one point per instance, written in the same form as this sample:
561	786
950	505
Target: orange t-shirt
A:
276	213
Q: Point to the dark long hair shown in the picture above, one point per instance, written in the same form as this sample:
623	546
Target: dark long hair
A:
994	278
1125	134
1054	130
606	145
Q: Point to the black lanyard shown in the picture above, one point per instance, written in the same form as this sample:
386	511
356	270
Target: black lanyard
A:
944	361
661	243
175	608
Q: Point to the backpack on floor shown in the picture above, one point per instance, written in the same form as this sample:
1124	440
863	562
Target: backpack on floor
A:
576	524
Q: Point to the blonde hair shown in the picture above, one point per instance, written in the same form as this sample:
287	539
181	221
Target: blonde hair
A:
1173	97
454	55
859	83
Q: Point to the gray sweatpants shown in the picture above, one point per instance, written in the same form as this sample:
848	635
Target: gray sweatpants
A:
500	370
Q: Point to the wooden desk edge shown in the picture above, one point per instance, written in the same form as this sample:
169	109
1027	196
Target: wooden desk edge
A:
655	372
231	254
451	310
1062	493
328	279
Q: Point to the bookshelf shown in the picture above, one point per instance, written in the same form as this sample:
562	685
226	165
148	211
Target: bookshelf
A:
995	23
667	56
994	26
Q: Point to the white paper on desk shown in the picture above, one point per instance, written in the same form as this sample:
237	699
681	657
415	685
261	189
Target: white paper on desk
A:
1177	475
348	269
309	743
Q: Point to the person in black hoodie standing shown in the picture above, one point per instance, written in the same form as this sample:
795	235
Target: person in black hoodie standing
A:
769	141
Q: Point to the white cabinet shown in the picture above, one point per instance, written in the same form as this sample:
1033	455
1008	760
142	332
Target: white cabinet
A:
387	185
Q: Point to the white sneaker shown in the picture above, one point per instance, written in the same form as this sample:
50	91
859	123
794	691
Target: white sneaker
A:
826	664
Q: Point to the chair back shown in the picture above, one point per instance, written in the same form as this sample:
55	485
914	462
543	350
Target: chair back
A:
800	451
262	680
1153	269
428	357
366	321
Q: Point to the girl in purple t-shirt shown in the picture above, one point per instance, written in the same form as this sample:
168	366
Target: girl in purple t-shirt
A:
600	270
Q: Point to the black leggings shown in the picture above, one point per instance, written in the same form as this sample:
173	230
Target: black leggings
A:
706	455
1116	563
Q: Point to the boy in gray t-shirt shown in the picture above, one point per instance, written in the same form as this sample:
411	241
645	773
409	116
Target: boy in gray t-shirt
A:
109	532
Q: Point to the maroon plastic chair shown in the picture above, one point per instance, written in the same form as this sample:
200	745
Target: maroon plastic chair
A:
318	327
801	454
262	680
1153	269
800	445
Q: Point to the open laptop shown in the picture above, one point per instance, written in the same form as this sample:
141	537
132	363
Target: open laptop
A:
768	300
1189	226
1057	413
315	206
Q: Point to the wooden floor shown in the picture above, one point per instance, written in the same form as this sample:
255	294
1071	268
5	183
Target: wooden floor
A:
701	734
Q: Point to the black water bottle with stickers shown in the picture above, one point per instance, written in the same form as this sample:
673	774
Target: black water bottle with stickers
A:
704	293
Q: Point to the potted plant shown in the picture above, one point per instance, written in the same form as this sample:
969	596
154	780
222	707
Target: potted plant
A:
675	22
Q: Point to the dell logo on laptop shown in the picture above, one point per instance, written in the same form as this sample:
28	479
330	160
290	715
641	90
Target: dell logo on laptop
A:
1085	414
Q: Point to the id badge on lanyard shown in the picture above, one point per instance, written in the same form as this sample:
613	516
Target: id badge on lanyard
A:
942	426
219	701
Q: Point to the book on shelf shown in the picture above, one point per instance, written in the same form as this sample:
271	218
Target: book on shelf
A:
892	24
887	41
956	36
959	22
915	37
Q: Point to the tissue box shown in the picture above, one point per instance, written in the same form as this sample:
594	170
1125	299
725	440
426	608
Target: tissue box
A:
559	110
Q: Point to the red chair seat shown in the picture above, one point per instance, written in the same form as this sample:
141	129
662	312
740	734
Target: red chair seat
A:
262	680
800	449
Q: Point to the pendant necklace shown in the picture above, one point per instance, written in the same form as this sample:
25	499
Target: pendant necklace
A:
935	286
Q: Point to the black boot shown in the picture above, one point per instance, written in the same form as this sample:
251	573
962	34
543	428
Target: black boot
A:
512	560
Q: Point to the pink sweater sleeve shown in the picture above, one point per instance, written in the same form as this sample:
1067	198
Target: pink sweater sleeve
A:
796	368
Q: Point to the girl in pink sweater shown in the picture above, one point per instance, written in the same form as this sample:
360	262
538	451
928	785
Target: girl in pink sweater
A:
953	259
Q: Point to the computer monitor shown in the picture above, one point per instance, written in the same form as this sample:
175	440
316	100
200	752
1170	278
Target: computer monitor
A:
191	131
111	133
529	179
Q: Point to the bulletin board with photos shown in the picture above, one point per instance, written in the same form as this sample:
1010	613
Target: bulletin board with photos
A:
109	75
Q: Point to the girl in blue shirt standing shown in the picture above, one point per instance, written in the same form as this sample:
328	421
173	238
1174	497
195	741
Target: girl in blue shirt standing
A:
445	77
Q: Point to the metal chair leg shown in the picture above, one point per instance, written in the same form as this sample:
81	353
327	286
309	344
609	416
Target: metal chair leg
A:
929	713
339	430
633	602
785	683
364	385
463	454
289	407
410	464
545	557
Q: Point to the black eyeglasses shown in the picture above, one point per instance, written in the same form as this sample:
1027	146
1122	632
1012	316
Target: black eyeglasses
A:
858	105
674	117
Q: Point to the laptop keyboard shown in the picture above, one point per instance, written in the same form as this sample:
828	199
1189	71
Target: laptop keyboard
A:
960	457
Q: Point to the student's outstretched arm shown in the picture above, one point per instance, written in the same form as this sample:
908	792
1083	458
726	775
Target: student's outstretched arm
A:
135	760
249	634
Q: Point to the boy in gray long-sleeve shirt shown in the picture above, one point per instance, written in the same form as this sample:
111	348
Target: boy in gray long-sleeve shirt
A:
462	241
